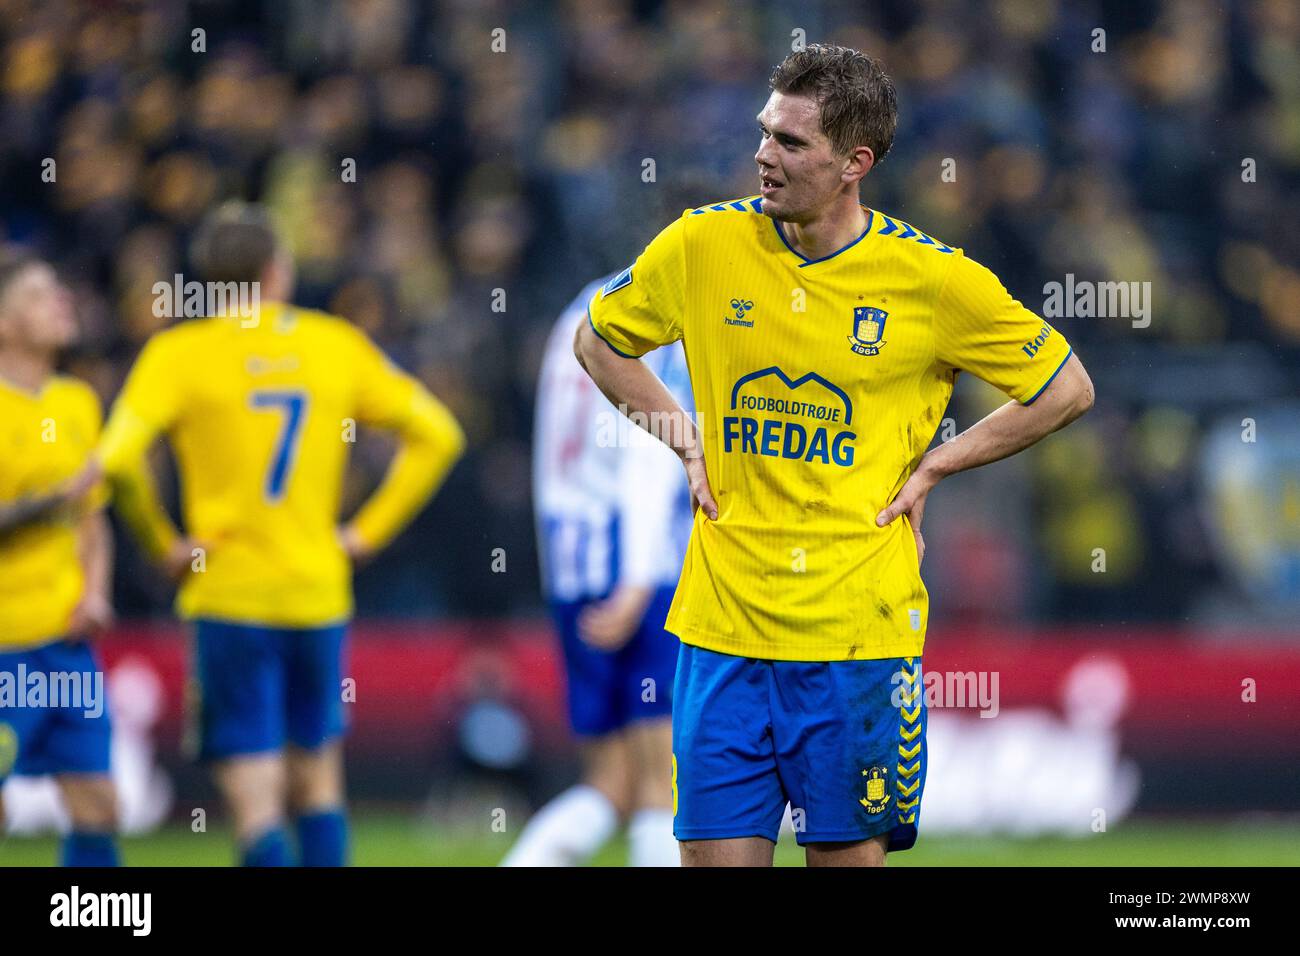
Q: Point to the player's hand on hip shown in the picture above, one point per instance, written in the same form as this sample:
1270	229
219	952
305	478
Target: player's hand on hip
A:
354	545
183	556
910	502
701	493
609	624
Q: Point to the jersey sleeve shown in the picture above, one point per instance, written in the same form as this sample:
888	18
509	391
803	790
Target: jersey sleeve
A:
980	328
384	392
642	307
146	407
430	442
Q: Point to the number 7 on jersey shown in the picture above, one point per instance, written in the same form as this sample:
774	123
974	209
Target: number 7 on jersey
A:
293	404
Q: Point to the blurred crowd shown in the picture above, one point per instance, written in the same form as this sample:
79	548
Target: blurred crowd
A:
500	151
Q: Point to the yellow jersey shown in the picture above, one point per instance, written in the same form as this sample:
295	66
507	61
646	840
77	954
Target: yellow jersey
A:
261	413
46	438
818	386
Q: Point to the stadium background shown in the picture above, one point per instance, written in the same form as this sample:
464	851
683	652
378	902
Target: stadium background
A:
1173	157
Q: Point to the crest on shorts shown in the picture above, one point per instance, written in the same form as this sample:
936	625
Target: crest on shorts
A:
868	328
877	797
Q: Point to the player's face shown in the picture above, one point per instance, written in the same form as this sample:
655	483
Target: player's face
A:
37	311
799	172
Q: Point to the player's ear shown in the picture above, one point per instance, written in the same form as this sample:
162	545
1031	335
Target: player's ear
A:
860	161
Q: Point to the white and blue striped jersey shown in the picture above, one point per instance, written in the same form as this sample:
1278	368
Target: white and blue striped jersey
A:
612	503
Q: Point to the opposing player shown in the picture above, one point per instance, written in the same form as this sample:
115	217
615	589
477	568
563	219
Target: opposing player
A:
260	411
55	565
613	517
823	340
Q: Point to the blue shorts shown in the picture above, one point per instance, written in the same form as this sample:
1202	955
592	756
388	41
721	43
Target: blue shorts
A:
843	742
608	691
260	687
56	722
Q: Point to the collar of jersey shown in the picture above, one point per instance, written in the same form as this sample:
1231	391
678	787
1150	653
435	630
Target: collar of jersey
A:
871	217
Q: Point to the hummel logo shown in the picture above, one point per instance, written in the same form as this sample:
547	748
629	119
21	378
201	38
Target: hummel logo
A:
741	306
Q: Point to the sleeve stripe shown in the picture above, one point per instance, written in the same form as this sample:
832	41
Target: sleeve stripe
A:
605	340
1031	399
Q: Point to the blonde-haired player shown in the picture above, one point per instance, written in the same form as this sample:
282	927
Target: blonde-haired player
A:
55	564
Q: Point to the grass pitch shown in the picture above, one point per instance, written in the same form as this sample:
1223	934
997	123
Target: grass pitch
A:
389	838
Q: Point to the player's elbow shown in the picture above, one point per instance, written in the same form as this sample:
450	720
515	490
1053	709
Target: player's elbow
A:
437	450
1074	392
1084	394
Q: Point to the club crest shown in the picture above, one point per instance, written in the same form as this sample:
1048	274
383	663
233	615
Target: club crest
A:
868	329
877	797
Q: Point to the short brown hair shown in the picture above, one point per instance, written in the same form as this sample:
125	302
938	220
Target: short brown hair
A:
857	100
234	243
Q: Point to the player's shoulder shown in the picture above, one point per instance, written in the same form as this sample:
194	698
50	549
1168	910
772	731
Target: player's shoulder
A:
185	337
746	206
724	218
296	318
73	392
907	241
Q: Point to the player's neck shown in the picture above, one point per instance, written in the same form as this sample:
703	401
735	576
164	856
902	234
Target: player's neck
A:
840	224
27	370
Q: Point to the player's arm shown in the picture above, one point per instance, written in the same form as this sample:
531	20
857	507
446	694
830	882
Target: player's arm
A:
94	612
981	328
33	508
135	496
637	311
430	442
637	393
1014	427
145	409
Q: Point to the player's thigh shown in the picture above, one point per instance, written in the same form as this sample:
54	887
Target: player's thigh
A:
314	684
850	742
860	853
90	800
742	851
725	780
315	777
239	679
